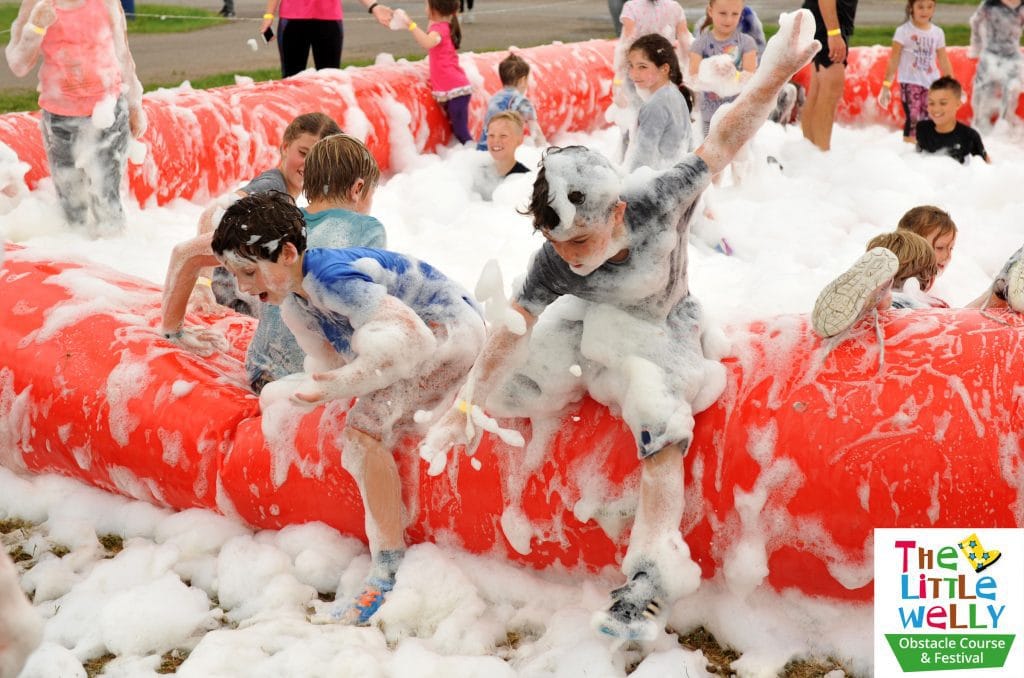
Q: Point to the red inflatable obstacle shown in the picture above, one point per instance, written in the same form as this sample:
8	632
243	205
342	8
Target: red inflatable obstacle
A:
203	142
803	455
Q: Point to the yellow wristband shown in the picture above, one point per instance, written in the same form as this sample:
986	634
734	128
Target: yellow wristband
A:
887	83
737	76
38	30
268	15
413	26
463	406
616	82
834	32
204	281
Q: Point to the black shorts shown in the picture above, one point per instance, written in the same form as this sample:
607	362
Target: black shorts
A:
821	59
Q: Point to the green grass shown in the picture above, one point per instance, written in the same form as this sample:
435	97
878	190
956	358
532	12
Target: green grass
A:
141	24
865	36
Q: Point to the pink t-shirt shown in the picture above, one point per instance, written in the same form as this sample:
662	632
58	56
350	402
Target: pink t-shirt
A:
445	72
325	10
79	66
660	17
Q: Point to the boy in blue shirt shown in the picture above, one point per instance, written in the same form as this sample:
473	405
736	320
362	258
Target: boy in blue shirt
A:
515	78
386	329
344	176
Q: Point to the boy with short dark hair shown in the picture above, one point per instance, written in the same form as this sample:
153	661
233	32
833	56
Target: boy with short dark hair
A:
626	330
942	132
515	79
381	327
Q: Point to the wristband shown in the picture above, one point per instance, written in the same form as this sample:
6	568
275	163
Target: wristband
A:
737	76
887	83
38	30
268	15
372	7
204	281
463	406
174	336
834	32
616	82
412	26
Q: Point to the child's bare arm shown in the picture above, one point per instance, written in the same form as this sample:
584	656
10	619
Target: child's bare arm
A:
945	66
187	259
23	50
425	40
390	345
787	52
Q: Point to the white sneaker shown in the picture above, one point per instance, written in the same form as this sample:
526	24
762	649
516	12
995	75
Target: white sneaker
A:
469	17
1009	284
853	294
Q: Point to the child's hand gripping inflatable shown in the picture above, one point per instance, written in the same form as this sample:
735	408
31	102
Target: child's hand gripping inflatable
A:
463	424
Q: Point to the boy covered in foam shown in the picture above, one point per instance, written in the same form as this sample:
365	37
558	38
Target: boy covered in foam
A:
341	176
628	331
381	327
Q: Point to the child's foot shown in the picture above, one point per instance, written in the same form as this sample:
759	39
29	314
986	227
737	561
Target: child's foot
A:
1009	284
362	607
849	297
634	613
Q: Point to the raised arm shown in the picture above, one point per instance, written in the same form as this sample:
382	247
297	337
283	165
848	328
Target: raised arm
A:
27	33
787	52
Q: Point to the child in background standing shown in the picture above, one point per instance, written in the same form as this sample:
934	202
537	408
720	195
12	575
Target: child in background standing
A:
663	133
916	46
721	36
995	42
91	101
448	82
515	79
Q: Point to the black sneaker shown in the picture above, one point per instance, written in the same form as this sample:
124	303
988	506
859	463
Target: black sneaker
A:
225	12
635	611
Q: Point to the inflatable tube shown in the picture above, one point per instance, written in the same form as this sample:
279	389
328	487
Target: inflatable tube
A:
203	142
803	455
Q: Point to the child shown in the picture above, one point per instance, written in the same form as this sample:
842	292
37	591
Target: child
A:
943	133
448	81
663	132
378	326
515	79
750	24
90	98
918	266
620	254
936	227
720	36
916	46
995	42
505	135
664	17
217	286
341	177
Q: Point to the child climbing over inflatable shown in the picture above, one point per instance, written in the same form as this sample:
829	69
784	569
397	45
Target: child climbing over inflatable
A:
448	82
917	47
941	132
620	324
734	53
996	28
663	132
216	286
381	327
91	102
515	80
345	175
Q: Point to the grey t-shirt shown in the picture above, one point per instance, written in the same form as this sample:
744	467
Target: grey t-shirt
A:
271	180
663	131
998	29
652	278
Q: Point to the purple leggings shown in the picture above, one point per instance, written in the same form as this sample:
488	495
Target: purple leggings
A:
457	110
915	107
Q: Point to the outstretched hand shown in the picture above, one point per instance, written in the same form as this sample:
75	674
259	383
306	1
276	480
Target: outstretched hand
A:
793	46
453	429
43	14
203	342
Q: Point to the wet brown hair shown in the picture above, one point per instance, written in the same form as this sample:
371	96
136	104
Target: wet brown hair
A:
333	166
257	227
917	258
318	124
924	220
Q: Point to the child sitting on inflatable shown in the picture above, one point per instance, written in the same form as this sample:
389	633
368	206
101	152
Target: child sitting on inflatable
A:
344	175
619	323
390	331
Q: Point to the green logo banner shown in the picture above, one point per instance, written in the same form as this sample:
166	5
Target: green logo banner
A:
944	652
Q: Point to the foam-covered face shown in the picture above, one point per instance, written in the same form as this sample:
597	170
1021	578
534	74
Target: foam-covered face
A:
293	161
270	281
503	138
943	246
942	107
586	246
725	15
644	73
922	11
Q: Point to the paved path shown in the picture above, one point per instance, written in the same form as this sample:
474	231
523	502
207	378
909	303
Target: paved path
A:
171	58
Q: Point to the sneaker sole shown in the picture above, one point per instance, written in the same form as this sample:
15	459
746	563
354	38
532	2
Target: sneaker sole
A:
1015	287
846	299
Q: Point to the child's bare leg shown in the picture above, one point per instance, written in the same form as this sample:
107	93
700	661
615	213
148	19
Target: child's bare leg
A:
375	471
661	504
